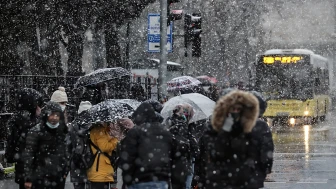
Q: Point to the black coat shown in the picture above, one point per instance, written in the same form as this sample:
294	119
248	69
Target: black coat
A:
223	153
146	150
185	150
46	155
261	136
19	125
236	158
181	130
77	175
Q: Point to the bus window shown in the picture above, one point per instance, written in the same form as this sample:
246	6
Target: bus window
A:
317	85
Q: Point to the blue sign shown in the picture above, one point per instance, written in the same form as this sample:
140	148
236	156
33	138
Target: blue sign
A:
153	34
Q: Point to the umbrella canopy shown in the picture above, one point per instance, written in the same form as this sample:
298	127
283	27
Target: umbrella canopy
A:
182	82
110	111
101	75
207	79
202	105
131	102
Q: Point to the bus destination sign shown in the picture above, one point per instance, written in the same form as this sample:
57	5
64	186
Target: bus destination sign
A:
281	59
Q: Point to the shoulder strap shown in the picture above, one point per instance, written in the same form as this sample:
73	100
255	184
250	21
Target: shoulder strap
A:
99	152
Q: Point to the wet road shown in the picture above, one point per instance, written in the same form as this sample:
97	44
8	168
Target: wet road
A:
305	158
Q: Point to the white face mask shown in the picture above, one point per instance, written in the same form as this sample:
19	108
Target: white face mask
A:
51	126
63	107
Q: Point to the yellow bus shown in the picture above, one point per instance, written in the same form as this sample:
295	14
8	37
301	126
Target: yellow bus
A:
295	83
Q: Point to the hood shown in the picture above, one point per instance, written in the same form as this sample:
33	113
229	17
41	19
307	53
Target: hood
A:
144	113
29	99
262	102
249	113
156	105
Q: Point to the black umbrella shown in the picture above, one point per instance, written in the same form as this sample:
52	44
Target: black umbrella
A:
110	111
101	75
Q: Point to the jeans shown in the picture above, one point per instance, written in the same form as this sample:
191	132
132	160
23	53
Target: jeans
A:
150	185
190	177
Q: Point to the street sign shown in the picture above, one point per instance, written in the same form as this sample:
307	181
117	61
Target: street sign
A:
153	35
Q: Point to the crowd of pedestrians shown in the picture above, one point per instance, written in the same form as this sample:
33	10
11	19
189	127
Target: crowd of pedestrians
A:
142	150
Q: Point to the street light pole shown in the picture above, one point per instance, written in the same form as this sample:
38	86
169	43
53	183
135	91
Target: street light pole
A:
163	50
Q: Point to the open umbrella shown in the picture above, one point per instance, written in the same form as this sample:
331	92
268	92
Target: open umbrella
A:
101	75
131	102
183	82
110	111
207	80
202	105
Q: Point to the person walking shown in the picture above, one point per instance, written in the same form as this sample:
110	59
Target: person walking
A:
229	156
185	142
77	175
261	136
61	98
146	152
29	106
119	131
46	159
101	173
213	92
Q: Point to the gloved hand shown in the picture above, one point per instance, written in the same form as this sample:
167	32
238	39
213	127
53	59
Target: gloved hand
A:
228	123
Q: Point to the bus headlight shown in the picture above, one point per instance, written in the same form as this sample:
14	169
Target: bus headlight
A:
292	121
306	113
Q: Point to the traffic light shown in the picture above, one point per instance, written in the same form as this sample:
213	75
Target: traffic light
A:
187	23
192	33
175	14
196	31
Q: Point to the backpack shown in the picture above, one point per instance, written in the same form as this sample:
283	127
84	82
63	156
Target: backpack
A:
82	154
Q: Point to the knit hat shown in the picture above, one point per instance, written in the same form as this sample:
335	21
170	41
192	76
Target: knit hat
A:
84	105
59	95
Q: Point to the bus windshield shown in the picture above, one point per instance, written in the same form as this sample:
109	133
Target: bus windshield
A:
285	81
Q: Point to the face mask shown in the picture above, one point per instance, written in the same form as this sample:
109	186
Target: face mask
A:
51	126
184	117
63	107
235	116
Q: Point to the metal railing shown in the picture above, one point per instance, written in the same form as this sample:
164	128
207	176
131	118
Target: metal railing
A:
10	84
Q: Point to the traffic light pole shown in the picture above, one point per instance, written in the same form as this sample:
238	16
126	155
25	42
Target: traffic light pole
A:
163	50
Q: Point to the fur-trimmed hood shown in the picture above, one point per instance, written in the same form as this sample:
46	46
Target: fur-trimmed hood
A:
250	110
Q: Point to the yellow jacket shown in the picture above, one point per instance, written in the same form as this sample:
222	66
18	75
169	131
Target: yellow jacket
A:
100	137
